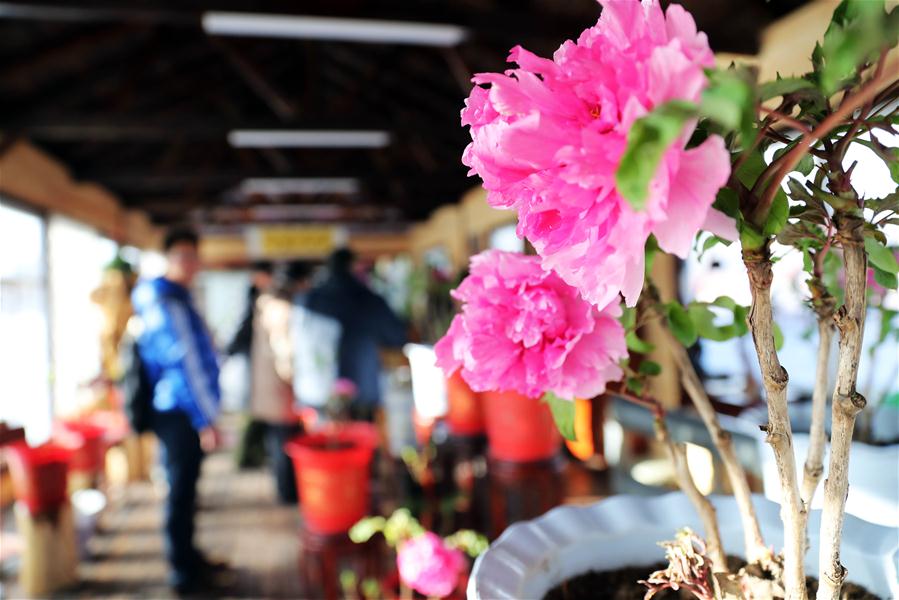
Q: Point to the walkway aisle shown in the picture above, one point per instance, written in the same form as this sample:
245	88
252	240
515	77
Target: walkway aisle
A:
239	521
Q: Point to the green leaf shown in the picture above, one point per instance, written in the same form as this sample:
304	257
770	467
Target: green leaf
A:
628	317
750	237
777	216
635	344
365	528
887	280
648	139
635	385
858	30
880	256
729	100
806	164
648	367
680	324
887	203
563	414
728	202
778	336
782	87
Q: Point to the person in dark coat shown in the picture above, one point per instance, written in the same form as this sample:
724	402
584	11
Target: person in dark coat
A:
367	324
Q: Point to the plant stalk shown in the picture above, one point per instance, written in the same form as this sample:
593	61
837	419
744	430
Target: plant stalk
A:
756	551
779	430
677	454
814	460
847	404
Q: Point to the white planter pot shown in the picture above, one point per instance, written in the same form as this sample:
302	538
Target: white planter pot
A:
532	557
873	479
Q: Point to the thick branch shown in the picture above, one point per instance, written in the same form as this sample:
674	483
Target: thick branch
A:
677	454
847	403
780	434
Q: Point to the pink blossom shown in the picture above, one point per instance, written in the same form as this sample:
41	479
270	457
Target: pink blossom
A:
547	138
429	566
344	388
524	329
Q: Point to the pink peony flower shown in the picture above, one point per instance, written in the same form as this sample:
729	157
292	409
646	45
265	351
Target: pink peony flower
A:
547	138
429	566
523	329
344	388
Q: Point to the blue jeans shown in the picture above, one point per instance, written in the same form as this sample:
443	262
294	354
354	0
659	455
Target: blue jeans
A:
181	456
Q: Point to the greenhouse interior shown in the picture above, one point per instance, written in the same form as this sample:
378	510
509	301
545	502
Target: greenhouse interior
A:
418	299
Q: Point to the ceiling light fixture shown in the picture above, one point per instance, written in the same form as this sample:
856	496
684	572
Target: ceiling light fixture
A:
370	31
277	186
263	138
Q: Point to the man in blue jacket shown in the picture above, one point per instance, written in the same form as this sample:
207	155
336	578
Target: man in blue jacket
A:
177	352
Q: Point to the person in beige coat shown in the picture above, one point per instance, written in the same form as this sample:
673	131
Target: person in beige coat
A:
271	359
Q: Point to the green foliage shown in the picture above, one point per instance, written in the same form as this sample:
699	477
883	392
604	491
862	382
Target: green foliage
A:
650	368
777	216
563	414
469	541
783	86
635	344
857	32
778	336
729	101
647	141
880	256
703	318
681	324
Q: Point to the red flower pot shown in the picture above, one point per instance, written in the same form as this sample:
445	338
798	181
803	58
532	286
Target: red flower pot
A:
519	428
465	415
366	434
332	473
39	475
87	442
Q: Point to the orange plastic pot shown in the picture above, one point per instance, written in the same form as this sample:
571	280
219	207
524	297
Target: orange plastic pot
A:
39	475
519	428
86	441
465	415
332	473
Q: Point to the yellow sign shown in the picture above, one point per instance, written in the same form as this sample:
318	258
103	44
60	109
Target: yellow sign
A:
293	241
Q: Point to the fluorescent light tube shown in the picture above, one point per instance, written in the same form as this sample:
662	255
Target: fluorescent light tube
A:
331	28
275	186
261	138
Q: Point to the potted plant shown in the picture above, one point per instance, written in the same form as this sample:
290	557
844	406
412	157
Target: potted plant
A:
426	564
629	142
332	465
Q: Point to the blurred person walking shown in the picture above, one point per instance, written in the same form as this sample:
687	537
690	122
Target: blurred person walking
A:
366	323
250	451
177	352
272	399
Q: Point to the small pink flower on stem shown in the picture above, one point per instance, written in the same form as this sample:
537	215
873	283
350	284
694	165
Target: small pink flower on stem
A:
429	566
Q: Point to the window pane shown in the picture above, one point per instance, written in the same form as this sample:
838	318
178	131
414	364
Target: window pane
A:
24	342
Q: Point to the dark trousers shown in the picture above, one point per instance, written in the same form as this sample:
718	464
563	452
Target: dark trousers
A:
276	435
181	456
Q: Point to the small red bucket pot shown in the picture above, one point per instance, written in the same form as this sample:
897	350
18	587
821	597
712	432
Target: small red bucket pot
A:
87	442
519	428
39	475
332	473
465	414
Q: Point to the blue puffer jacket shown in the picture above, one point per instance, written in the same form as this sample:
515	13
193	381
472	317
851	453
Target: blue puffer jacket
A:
177	351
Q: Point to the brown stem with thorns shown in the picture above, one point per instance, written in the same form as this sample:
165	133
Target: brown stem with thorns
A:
847	404
780	434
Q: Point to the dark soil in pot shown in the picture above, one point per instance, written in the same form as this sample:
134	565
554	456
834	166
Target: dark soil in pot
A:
621	584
